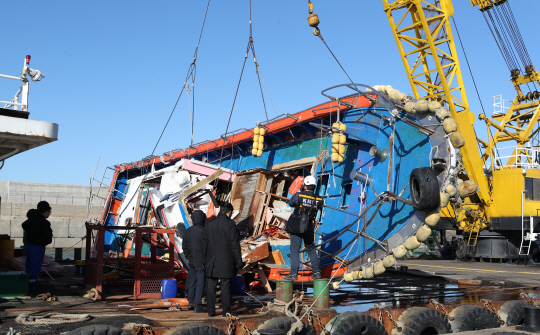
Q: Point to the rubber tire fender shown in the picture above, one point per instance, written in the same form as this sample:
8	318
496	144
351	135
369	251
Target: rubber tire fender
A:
472	317
354	323
424	186
98	330
511	312
416	320
194	328
285	323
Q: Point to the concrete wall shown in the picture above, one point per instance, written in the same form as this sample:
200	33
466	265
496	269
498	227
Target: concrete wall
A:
69	209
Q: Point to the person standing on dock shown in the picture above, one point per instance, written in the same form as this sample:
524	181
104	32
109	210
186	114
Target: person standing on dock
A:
222	257
37	235
301	226
193	247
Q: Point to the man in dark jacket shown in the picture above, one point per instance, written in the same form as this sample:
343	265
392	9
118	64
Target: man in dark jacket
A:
193	248
222	257
301	226
38	234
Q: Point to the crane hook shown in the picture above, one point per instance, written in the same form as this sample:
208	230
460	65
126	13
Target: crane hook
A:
313	20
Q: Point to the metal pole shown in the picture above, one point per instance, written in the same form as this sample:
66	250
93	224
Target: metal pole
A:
47	273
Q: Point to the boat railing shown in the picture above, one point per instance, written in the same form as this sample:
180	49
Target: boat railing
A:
20	100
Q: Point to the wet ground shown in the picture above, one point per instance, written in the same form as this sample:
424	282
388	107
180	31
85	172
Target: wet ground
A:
423	280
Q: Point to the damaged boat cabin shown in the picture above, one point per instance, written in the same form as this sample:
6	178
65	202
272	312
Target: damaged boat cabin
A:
357	149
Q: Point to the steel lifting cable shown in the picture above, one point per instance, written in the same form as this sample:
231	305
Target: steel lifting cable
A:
190	72
518	32
250	46
508	29
468	65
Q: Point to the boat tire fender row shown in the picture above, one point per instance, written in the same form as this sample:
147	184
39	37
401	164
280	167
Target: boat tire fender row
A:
424	185
194	328
472	317
512	313
98	330
285	323
422	320
353	323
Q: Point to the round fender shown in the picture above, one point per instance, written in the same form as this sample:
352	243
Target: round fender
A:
285	323
98	330
425	194
472	317
353	323
511	312
194	328
422	320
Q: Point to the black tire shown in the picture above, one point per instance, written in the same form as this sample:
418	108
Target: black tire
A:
355	323
285	323
511	312
423	321
194	328
98	330
424	187
472	317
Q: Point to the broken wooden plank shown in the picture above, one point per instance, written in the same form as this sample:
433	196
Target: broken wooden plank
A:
202	183
274	195
264	280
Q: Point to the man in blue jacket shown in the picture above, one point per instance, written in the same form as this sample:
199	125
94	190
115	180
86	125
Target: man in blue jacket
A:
38	234
193	248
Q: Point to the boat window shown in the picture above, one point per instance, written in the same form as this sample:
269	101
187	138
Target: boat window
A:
532	189
322	185
346	195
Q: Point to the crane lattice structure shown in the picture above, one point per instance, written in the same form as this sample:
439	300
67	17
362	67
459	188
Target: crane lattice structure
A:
520	122
424	38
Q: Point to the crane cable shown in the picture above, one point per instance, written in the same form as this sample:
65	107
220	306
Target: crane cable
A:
317	32
190	72
504	29
250	47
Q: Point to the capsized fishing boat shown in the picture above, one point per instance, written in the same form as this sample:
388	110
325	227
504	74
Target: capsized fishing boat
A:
368	150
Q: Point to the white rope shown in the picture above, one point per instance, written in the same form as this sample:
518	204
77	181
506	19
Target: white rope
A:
295	325
51	319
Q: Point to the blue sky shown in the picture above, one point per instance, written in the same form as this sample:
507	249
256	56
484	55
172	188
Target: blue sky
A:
114	69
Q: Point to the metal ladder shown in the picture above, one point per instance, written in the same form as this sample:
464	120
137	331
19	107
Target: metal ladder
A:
473	237
527	235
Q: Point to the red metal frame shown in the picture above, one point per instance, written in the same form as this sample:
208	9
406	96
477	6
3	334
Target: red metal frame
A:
149	272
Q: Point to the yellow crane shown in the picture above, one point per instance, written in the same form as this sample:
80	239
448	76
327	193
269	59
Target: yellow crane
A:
505	199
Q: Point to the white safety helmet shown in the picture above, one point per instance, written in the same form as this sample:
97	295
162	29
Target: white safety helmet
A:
310	181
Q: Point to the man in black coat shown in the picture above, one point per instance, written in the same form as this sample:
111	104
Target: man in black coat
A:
222	257
193	248
37	234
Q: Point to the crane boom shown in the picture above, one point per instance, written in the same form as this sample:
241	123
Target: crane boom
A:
424	37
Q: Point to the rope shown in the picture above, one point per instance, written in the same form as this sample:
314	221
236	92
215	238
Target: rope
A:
50	319
57	318
295	325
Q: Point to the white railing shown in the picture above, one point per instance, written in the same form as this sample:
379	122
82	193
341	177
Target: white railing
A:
524	157
500	105
21	97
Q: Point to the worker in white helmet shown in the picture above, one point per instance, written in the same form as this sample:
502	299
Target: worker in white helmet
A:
301	226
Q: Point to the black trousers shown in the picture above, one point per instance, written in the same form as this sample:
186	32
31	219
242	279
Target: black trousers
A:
196	286
225	295
309	244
